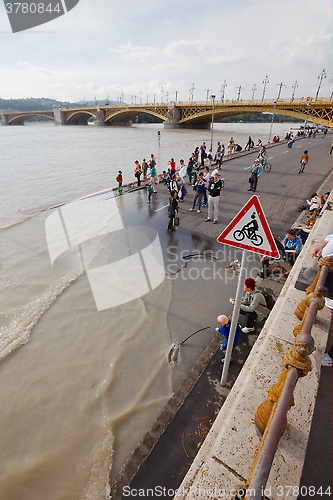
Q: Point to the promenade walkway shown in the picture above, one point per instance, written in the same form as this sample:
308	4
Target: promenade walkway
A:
161	460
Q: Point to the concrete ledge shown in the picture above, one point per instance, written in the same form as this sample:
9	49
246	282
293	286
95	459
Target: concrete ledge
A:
225	459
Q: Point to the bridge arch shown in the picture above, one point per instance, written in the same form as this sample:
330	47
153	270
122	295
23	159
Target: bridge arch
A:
19	119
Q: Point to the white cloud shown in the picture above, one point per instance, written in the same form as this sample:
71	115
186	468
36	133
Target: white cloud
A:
104	47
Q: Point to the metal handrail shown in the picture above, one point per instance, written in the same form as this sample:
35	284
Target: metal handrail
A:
271	415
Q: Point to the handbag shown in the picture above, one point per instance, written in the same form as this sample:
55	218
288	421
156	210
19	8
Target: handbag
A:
176	219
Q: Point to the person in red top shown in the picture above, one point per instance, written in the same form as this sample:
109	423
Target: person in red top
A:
303	161
172	164
137	171
119	179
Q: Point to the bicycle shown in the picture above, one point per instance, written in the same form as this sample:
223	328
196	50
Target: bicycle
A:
267	167
256	239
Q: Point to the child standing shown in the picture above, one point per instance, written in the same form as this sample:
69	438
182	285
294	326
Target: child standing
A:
224	329
119	179
150	191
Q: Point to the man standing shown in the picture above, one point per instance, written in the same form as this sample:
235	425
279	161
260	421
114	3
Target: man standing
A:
214	190
199	188
256	171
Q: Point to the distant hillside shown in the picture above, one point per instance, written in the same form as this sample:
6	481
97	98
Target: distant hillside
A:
40	103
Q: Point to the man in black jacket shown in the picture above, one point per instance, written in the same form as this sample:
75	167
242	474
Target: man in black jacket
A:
214	190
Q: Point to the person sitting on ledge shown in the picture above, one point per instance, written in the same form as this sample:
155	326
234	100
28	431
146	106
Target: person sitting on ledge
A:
253	305
292	246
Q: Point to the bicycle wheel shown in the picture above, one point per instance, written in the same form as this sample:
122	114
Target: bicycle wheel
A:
257	242
239	235
222	182
267	167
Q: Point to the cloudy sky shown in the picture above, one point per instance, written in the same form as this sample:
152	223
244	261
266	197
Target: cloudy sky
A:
144	47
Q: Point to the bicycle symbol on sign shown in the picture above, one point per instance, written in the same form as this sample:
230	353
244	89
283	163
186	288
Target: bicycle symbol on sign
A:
249	231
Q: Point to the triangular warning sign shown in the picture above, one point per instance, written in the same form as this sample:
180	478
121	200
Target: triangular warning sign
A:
250	230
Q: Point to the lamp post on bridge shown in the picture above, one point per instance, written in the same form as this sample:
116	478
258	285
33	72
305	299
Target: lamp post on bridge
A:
207	94
254	88
240	88
140	97
212	126
280	85
167	97
321	76
270	131
223	86
162	92
265	83
294	87
192	92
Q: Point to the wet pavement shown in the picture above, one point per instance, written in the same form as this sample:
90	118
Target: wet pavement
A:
164	455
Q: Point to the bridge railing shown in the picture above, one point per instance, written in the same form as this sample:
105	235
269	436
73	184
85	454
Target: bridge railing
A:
271	415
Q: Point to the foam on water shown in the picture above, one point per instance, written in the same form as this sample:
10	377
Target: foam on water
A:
19	219
23	320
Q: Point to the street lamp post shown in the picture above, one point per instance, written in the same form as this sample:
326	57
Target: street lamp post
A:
294	87
212	126
321	76
167	97
239	92
223	86
207	94
162	91
265	83
270	132
254	88
192	92
280	85
140	97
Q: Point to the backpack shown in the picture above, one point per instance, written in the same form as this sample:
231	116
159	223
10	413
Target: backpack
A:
268	298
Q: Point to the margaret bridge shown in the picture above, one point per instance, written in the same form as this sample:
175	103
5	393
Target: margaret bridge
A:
180	114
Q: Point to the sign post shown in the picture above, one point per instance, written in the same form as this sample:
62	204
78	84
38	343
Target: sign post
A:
235	316
248	230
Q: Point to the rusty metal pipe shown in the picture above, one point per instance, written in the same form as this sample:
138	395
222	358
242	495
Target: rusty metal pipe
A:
270	439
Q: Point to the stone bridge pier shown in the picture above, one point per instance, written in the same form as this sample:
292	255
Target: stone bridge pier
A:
59	116
100	118
4	119
175	115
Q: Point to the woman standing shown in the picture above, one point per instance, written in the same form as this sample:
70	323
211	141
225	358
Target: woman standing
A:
172	210
152	172
303	161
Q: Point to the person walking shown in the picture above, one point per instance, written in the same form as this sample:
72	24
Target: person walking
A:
253	305
172	210
199	188
303	161
255	171
214	190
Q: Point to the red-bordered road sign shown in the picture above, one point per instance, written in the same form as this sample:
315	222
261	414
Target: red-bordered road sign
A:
250	230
